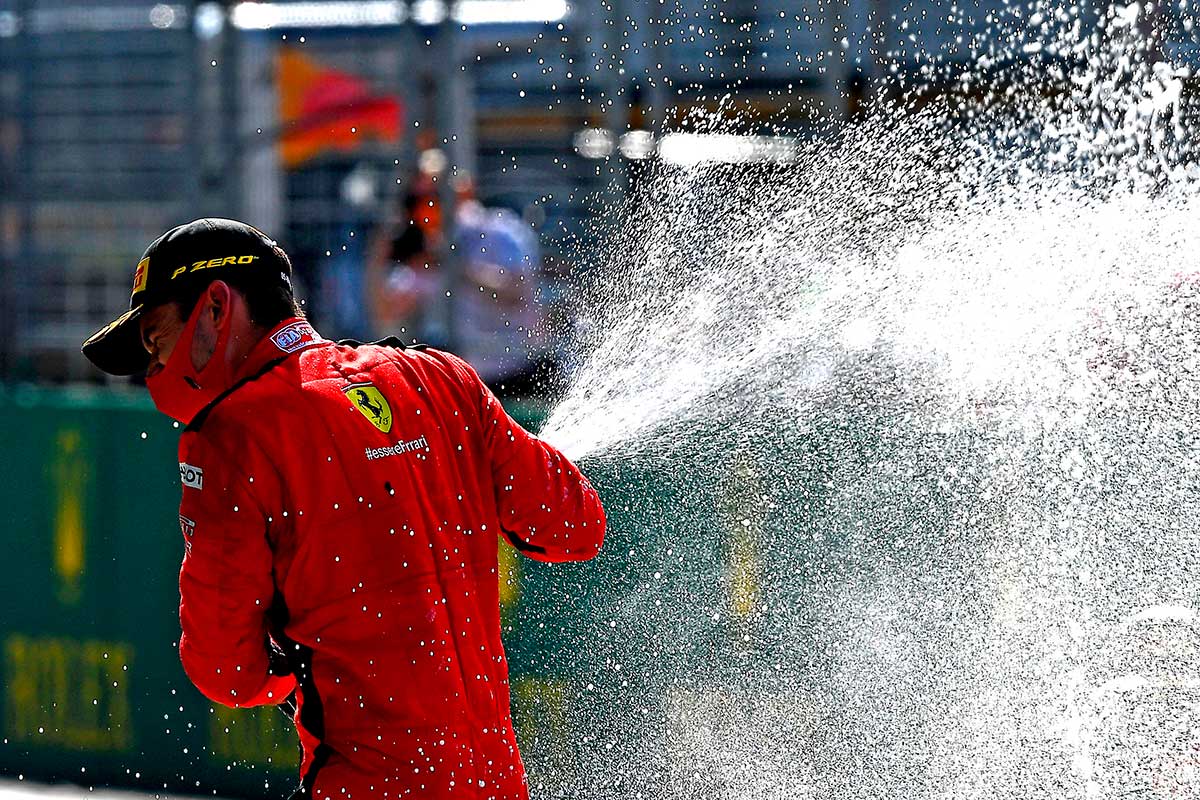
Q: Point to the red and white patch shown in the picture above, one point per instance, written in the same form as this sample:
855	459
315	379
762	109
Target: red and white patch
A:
293	337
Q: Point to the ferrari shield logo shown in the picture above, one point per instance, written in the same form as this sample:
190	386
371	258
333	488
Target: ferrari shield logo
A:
373	405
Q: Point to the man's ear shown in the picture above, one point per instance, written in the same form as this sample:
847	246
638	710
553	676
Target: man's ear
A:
219	297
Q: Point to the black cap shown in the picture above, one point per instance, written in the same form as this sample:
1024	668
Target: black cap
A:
181	260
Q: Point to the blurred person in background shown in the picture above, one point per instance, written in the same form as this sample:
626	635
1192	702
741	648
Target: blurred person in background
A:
340	512
494	285
497	316
345	263
402	279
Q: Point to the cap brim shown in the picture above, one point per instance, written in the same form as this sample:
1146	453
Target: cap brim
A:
117	347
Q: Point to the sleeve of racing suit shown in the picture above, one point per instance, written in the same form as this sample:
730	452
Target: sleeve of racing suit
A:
548	509
226	584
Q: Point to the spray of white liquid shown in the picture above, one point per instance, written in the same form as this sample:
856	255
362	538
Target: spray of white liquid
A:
988	590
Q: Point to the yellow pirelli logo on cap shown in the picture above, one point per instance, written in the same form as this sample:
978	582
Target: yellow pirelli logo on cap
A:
139	276
222	261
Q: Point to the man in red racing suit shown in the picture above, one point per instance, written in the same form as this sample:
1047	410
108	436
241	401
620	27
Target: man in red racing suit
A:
341	507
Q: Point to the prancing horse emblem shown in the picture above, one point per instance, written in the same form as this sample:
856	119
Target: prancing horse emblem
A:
371	404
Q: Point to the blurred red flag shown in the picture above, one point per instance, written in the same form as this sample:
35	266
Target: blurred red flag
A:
321	109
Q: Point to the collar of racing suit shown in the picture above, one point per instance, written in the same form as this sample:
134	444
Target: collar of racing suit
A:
289	336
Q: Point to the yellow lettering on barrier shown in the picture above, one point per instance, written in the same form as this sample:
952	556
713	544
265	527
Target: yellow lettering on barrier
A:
70	470
67	693
262	736
509	570
743	510
542	717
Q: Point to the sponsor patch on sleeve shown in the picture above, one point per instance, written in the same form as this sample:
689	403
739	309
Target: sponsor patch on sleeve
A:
189	528
191	476
291	338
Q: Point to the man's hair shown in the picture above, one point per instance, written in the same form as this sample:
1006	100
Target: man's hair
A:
268	303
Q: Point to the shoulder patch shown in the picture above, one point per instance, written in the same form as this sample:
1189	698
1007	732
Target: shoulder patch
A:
291	338
191	476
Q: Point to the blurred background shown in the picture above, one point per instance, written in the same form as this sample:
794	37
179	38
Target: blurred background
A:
440	171
432	168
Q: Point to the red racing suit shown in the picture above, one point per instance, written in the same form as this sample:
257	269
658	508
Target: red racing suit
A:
341	508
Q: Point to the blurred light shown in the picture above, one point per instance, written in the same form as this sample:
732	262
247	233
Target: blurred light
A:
432	161
210	20
10	24
111	18
359	187
264	16
637	145
687	149
162	16
594	142
367	13
494	12
428	12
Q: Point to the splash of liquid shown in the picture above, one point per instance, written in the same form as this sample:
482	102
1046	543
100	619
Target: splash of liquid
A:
924	407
